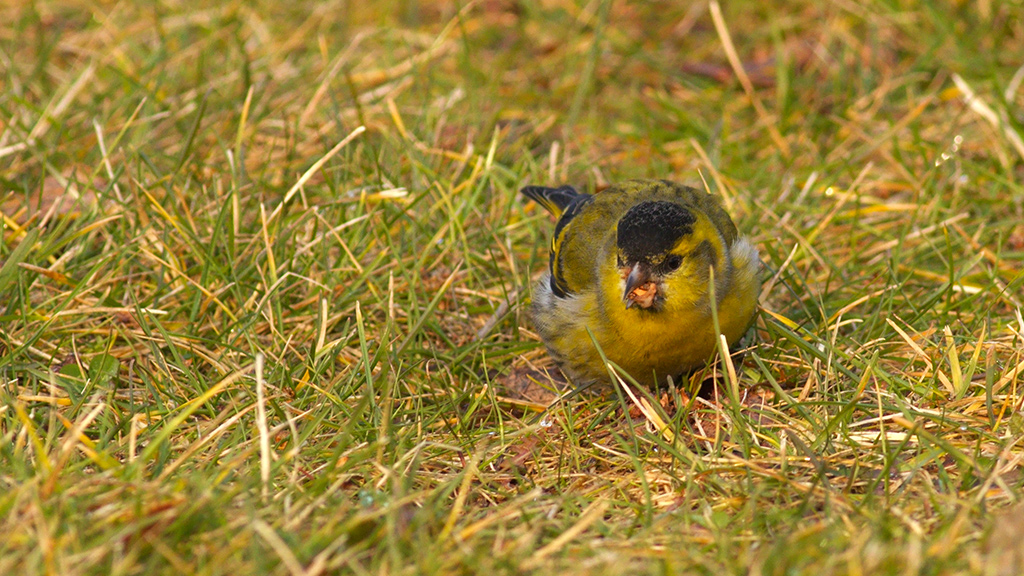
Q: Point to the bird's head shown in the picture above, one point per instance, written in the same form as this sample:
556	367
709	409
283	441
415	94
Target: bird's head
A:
665	251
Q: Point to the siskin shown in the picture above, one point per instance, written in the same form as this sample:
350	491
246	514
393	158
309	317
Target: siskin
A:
633	266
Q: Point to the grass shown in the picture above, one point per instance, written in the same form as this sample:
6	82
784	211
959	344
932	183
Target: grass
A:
264	274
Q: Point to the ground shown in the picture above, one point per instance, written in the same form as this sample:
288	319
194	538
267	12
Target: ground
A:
264	275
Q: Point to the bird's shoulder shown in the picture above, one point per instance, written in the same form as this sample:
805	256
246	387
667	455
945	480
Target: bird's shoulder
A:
576	244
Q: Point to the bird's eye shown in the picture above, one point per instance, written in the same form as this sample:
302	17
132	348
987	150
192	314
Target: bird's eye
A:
673	262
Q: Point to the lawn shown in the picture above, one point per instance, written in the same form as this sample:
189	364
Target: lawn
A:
265	273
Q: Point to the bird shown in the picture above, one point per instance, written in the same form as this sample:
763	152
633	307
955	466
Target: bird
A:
633	274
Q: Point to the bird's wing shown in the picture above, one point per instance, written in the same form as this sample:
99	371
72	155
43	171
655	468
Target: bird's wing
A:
572	259
554	200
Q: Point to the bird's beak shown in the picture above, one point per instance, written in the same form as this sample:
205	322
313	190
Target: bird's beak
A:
639	275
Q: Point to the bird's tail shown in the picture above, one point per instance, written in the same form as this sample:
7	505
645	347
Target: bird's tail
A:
554	200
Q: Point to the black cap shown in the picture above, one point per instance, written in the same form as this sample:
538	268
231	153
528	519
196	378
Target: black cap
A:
652	228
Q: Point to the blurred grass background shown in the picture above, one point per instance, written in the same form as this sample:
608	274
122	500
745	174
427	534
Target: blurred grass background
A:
264	270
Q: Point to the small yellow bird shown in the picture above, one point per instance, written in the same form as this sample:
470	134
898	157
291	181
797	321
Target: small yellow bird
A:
633	266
